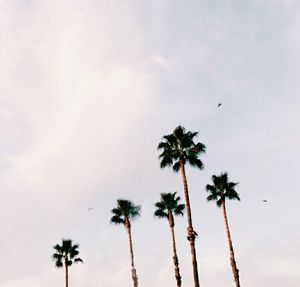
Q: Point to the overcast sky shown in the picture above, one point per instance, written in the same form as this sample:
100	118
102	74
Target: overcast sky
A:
87	90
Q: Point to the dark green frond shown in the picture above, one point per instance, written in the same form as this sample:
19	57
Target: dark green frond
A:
212	197
165	145
160	205
166	161
179	209
232	195
57	247
179	132
210	188
65	253
171	140
58	264
117	220
180	146
74	252
219	202
222	189
116	212
69	262
169	202
160	213
78	260
176	166
57	256
66	244
124	209
195	162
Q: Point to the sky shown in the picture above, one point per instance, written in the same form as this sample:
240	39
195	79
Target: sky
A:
89	87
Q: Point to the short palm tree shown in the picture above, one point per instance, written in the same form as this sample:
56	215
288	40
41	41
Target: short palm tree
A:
221	190
167	207
178	149
123	214
65	255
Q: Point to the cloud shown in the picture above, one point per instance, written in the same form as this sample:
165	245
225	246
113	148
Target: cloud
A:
162	62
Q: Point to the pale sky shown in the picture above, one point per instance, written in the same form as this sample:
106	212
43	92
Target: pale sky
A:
87	90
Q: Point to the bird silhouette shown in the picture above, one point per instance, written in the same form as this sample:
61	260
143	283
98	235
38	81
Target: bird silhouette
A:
264	200
219	105
91	208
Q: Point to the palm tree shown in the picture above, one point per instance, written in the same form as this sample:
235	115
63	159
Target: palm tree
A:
221	190
122	214
166	207
65	255
178	149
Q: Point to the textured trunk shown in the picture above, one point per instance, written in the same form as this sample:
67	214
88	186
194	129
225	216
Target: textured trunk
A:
191	233
66	274
175	257
235	271
133	271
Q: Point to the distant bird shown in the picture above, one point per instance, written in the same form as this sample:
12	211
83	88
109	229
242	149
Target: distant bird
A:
91	208
264	200
219	105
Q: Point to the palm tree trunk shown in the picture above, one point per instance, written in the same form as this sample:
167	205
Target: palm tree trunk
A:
66	274
175	258
235	271
133	271
191	233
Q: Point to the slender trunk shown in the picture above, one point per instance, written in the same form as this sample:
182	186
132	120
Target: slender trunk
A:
191	233
235	271
133	271
66	274
175	257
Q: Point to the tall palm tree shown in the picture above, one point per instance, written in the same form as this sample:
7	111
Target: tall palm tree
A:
165	208
221	190
178	149
123	214
65	255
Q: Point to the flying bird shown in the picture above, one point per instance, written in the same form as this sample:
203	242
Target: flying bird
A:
219	105
264	200
91	208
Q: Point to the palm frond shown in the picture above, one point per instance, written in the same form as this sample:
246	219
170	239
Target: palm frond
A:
117	220
166	161
219	202
58	264
179	132
160	214
69	262
222	189
169	202
179	209
78	260
176	166
116	212
180	147
65	253
210	188
125	209
195	162
57	247
160	205
57	256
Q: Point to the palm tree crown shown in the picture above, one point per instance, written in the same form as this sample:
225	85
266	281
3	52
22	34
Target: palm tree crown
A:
168	204
124	211
221	189
66	253
180	147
